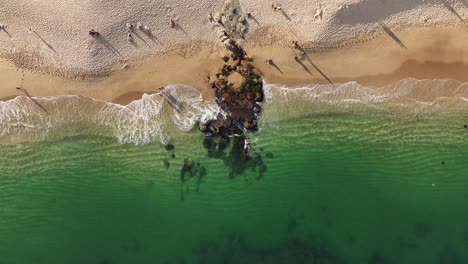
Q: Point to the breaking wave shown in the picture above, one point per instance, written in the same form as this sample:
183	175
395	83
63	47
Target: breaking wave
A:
405	97
153	118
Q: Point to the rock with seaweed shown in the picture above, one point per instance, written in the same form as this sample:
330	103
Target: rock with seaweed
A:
241	102
191	171
238	89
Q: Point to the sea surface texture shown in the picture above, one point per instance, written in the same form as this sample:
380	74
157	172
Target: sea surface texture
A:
352	175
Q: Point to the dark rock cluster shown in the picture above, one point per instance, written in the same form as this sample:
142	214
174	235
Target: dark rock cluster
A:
191	169
239	92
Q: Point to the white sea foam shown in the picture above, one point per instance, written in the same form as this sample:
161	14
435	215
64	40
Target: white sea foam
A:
408	96
152	118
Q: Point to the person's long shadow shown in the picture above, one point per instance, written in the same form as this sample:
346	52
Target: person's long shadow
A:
254	20
32	99
450	7
140	38
318	69
6	32
276	66
297	46
285	15
392	35
107	45
45	42
303	65
153	37
179	27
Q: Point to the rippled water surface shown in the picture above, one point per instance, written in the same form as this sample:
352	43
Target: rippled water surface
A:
340	186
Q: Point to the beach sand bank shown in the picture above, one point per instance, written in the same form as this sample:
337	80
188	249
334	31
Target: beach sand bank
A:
361	41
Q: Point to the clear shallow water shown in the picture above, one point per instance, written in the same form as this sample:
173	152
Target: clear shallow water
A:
342	188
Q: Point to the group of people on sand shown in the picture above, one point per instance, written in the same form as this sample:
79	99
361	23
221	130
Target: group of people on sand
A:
130	29
276	7
146	29
140	26
3	27
295	45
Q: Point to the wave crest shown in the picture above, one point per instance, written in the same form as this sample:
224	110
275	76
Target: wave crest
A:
408	96
152	118
148	119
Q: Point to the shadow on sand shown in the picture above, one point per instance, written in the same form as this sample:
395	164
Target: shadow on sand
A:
303	65
6	32
45	42
392	35
285	15
34	101
107	45
450	7
276	66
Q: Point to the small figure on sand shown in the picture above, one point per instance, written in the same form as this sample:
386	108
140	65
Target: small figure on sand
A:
269	61
30	30
249	15
295	44
129	27
147	30
139	26
318	14
2	26
276	7
172	23
93	33
129	37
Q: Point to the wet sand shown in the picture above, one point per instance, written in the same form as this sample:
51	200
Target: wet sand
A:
428	53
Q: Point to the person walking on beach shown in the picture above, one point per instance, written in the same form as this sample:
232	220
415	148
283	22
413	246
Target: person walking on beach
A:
276	7
295	44
2	26
172	23
147	30
93	33
139	26
129	27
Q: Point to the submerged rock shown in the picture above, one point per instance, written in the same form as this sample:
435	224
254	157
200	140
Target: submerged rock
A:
169	147
234	248
269	155
166	163
187	169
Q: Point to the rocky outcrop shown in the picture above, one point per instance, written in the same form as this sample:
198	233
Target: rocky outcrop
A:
239	92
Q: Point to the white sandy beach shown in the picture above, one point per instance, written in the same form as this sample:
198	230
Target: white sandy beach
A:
46	47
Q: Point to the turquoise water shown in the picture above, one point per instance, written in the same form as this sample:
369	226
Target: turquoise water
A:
339	188
353	175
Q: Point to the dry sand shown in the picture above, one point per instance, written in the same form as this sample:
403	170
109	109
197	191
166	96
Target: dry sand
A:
371	41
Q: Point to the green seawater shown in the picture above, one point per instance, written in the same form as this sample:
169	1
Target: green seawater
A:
339	188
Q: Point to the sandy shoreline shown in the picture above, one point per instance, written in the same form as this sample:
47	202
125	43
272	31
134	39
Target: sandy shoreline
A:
372	42
430	53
